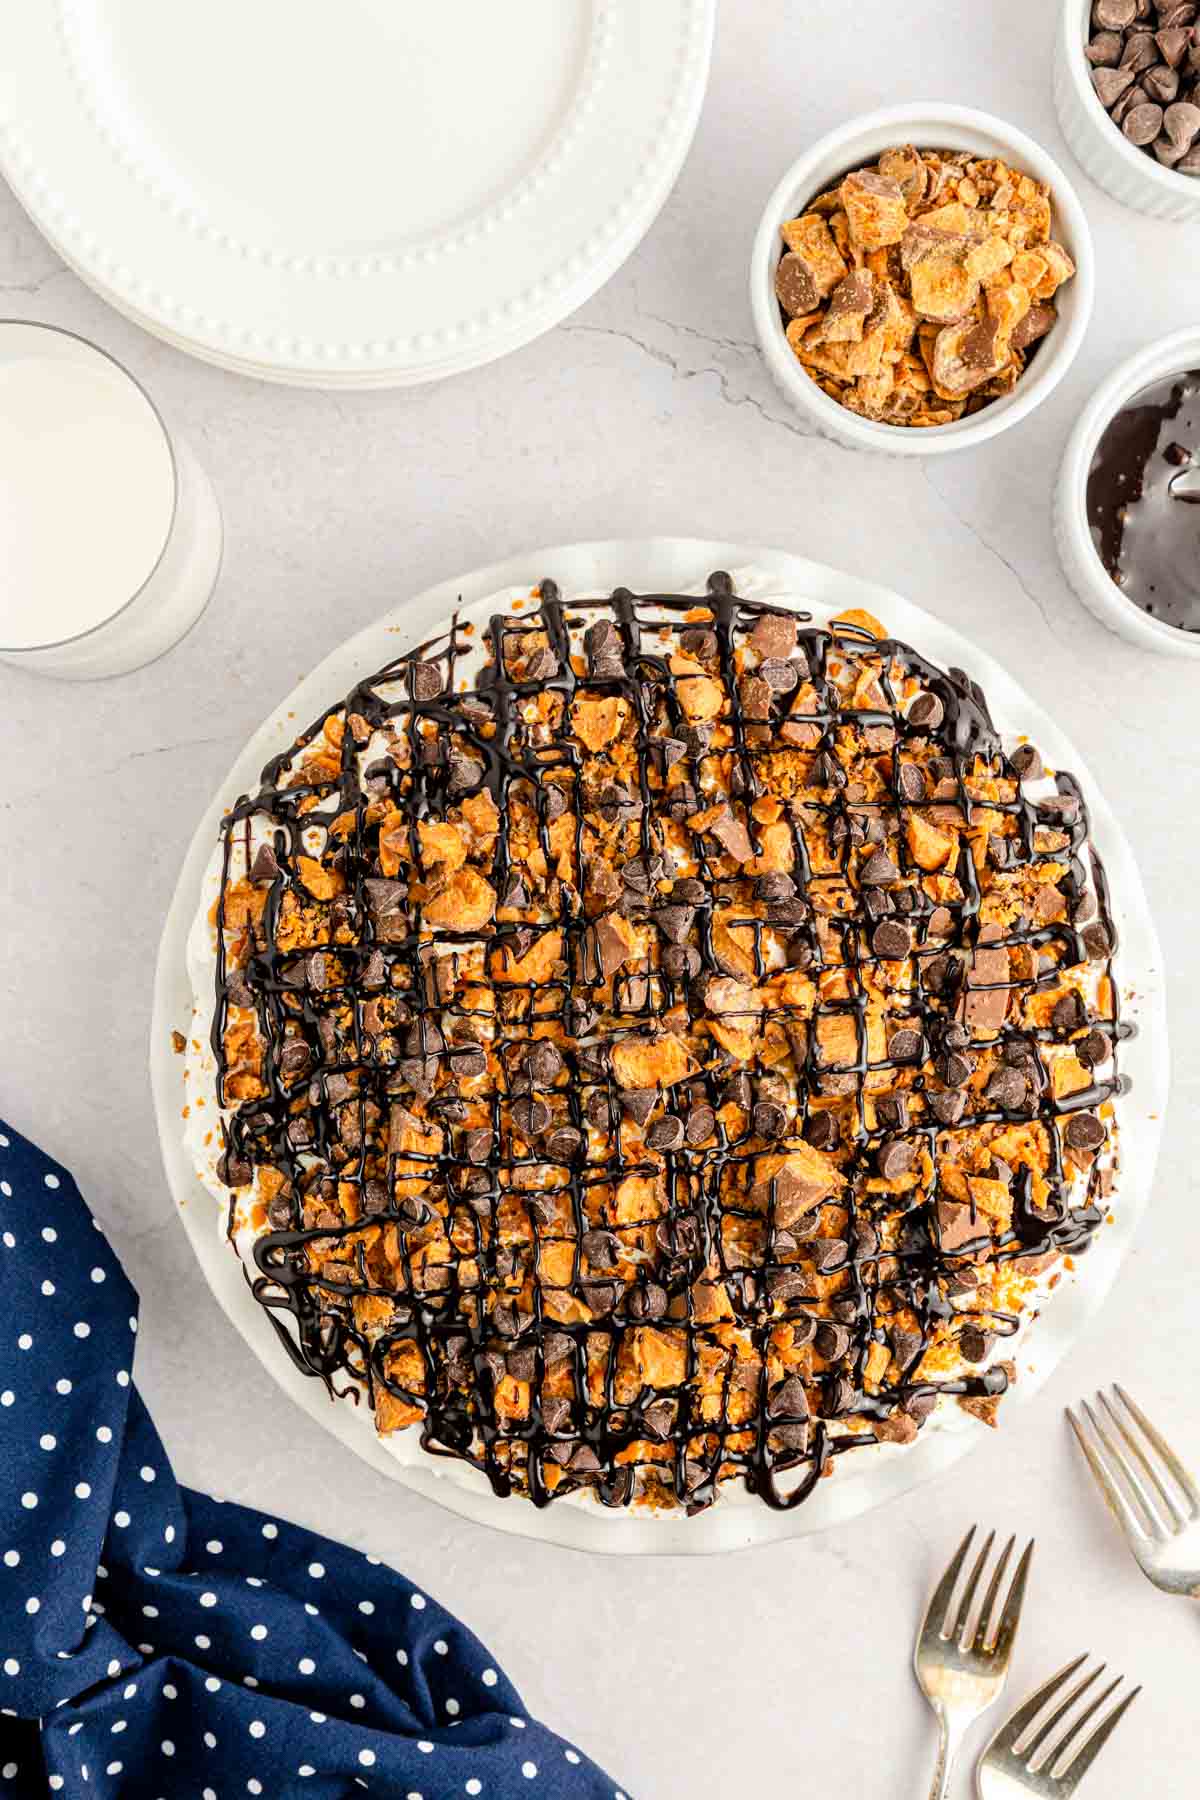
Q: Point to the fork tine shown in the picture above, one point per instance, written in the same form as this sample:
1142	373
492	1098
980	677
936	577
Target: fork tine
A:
1059	1752
981	1640
1059	1714
1015	1728
937	1612
1010	1618
1136	1450
1124	1469
1091	1746
1181	1474
1117	1504
964	1612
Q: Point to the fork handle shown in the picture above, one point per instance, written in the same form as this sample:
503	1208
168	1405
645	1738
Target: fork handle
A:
950	1737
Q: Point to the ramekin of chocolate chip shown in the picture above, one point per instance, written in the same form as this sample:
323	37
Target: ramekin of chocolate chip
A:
921	279
1127	506
1127	89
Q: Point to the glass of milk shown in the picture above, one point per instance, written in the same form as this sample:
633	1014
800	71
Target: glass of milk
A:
110	534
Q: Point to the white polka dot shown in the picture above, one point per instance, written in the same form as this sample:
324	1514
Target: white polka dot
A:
259	1632
210	1740
169	1535
316	1570
62	1385
402	1658
29	1501
306	1769
249	1681
51	1181
97	1275
131	1690
306	1665
253	1787
489	1678
118	1725
270	1531
103	1434
24	1342
441	1646
474	1786
314	1612
58	1548
208	1794
83	1490
170	1690
146	1472
122	1377
357	1700
452	1707
48	1289
201	1642
519	1723
56	1783
257	1729
425	1747
82	1328
253	1581
373	1560
114	1768
572	1756
12	1558
366	1606
121	1518
11	1666
114	1667
212	1684
167	1747
529	1770
47	1441
418	1603
318	1718
208	1599
367	1758
33	1604
214	1546
9	1240
133	1325
8	1771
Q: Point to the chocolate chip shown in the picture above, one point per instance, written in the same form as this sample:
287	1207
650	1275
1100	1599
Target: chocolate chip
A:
564	1143
700	1124
821	1131
1084	1131
530	1115
649	1301
1027	762
639	1103
427	681
1104	51
265	867
1143	123
910	779
543	1063
680	962
788	1400
878	870
699	642
1063	808
665	1133
600	1296
674	922
975	1345
1094	1050
827	772
1110	84
795	286
956	1069
1097	942
466	772
1006	1088
895	1157
905	1045
768	1120
468	1063
602	641
542	665
891	940
926	712
948	1108
891	1111
781	677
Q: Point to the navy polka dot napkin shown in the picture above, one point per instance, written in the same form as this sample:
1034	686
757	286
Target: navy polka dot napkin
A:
155	1642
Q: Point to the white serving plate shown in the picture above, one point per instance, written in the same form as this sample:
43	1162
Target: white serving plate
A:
872	1476
380	195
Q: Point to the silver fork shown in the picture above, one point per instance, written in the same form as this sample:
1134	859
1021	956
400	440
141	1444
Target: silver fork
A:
1007	1773
1150	1493
962	1661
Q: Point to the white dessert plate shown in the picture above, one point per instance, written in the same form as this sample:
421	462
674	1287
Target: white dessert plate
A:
381	194
872	1475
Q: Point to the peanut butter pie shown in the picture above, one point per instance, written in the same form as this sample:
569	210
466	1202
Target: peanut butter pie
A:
660	1042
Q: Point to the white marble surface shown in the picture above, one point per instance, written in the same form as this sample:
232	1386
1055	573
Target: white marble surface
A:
782	1671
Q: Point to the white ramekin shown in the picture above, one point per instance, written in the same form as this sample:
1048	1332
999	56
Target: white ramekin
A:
927	125
1081	563
1116	165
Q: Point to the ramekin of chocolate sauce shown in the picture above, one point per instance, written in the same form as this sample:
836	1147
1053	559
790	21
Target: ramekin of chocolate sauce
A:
1127	508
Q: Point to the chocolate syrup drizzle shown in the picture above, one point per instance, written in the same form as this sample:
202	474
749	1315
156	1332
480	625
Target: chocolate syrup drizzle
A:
467	1345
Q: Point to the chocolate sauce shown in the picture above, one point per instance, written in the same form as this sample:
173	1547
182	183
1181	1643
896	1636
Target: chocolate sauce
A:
323	1118
1143	500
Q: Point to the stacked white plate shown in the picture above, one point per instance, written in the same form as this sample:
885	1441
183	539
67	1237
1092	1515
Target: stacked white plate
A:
370	195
